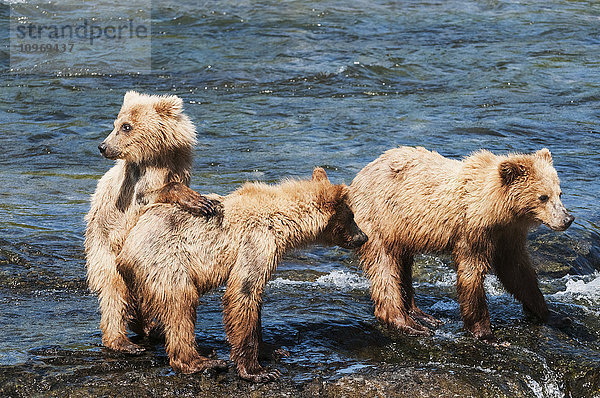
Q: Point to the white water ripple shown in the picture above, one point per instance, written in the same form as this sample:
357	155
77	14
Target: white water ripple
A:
581	289
336	279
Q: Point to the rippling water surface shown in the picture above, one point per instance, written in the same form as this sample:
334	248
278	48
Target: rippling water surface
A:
276	88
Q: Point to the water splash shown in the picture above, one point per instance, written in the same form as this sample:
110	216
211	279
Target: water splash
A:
341	280
582	290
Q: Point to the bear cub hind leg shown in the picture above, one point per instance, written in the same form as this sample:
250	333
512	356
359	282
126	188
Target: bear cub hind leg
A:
391	287
406	267
178	302
242	304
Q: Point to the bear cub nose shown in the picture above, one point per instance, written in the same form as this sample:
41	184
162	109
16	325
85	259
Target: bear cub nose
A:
568	220
359	239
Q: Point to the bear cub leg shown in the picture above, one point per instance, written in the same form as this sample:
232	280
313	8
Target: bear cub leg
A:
268	351
241	313
246	343
114	314
406	267
181	343
189	200
178	304
516	273
391	288
422	316
471	297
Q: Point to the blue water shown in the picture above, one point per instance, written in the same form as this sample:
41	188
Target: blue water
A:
276	88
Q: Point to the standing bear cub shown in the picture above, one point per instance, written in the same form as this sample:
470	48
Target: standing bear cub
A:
411	201
152	143
170	258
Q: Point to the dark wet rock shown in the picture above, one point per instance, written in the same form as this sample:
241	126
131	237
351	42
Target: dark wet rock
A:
383	380
530	361
556	255
426	382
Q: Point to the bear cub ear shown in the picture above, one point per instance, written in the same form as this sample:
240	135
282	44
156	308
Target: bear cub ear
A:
544	154
319	174
131	96
512	169
339	195
344	191
169	106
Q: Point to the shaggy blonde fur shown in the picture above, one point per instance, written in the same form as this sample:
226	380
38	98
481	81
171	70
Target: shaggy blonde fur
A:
411	201
170	258
152	143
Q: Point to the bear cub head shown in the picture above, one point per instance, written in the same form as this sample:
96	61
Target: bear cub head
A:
533	185
341	229
147	128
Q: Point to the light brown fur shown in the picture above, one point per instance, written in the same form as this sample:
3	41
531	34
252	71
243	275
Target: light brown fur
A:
411	201
152	143
170	258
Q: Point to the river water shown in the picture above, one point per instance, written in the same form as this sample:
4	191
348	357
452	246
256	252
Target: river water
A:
276	88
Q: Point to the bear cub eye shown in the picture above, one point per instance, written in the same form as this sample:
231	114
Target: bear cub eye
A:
126	127
544	198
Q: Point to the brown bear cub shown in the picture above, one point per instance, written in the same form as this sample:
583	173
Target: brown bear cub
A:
411	201
170	258
152	142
